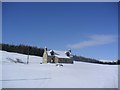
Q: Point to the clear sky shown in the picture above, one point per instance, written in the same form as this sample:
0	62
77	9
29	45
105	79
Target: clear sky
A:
88	29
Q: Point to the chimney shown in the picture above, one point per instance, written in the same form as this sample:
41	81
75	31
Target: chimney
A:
45	48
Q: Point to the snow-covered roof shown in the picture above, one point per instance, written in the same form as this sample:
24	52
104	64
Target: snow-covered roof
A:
59	54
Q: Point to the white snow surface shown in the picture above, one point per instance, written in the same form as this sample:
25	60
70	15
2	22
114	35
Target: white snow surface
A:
36	75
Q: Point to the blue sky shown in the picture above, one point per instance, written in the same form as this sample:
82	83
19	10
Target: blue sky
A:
88	29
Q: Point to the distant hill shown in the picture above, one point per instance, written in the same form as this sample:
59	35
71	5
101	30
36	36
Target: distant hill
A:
32	50
84	59
90	60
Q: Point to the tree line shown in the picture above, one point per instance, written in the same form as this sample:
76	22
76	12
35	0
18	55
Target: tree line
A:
90	60
23	49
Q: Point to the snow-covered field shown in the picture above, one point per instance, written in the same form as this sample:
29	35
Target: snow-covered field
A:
36	75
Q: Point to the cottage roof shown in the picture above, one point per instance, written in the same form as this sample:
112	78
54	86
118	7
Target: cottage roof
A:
59	54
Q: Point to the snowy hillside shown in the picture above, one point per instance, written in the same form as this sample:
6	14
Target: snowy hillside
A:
36	75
